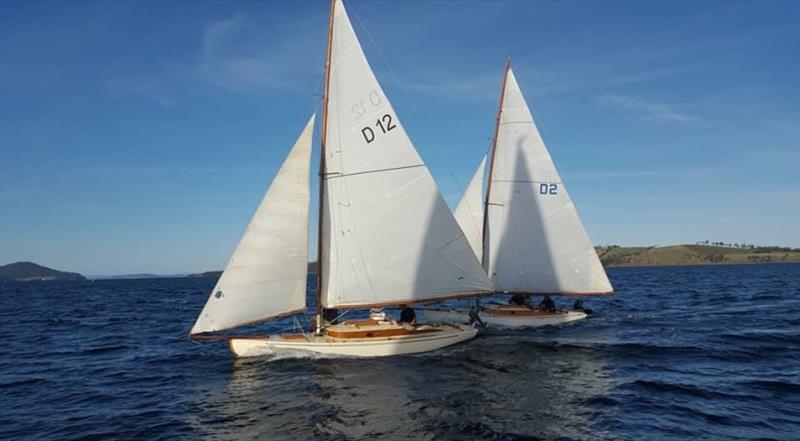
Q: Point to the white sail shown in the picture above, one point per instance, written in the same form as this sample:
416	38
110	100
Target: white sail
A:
388	236
536	242
469	212
266	276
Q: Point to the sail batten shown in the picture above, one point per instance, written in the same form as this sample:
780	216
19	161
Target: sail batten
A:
535	242
387	237
266	275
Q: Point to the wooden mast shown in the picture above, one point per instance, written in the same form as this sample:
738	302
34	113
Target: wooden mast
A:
323	138
484	257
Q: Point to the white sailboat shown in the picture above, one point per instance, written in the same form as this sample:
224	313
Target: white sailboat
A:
532	241
386	236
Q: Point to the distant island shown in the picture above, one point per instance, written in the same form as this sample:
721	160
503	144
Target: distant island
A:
698	254
137	276
214	274
31	272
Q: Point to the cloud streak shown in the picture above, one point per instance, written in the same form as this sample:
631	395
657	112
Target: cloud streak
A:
647	109
122	171
237	55
647	173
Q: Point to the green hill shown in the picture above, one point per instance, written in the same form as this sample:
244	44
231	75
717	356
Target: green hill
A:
31	272
214	274
692	255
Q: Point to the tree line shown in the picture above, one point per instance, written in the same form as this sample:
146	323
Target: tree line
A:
746	246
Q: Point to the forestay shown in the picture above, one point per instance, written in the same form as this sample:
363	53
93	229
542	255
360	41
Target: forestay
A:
266	276
388	236
535	240
469	212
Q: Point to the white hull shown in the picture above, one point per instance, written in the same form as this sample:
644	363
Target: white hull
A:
504	321
352	347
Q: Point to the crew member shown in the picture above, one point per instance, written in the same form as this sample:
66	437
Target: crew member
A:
408	315
547	305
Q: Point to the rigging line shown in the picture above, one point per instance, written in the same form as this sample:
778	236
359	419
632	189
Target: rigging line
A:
318	92
366	172
400	86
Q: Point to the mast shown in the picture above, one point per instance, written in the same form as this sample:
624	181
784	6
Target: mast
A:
323	136
491	165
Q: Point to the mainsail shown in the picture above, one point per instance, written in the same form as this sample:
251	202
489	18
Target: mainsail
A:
469	212
266	276
535	242
388	237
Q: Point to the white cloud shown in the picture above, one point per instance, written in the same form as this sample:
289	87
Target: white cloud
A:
150	88
119	171
240	55
237	55
664	173
648	109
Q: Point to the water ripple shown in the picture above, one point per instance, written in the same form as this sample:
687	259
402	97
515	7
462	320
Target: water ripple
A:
678	353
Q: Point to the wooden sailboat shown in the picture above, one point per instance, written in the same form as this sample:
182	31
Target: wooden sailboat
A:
386	236
527	231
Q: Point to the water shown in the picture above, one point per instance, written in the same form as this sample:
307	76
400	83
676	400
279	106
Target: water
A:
679	353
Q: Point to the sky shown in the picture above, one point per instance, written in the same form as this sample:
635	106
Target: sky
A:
138	137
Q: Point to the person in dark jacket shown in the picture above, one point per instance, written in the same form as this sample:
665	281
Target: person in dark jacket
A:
330	315
408	315
547	305
519	300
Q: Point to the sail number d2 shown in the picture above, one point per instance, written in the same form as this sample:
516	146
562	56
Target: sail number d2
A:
383	123
548	188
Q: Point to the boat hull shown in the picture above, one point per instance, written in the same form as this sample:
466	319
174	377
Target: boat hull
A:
502	318
440	337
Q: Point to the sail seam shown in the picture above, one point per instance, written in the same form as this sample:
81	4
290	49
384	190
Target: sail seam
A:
344	175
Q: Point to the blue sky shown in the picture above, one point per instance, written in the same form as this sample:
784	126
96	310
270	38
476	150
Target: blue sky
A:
139	137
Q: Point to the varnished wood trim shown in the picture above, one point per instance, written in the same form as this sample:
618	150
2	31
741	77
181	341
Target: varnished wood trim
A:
378	333
322	165
491	165
561	293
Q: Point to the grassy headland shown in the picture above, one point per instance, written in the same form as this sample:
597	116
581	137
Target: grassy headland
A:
693	255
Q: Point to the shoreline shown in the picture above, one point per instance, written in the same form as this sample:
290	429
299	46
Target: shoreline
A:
668	265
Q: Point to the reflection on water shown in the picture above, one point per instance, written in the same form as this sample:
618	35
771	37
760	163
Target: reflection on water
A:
502	385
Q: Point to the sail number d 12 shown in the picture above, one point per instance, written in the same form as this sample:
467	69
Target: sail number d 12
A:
383	123
548	188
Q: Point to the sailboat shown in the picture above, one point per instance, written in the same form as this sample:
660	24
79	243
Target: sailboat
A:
386	237
527	231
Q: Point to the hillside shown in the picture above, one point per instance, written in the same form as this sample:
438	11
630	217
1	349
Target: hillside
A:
691	255
31	272
214	274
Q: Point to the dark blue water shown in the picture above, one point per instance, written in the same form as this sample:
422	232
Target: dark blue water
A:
678	353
